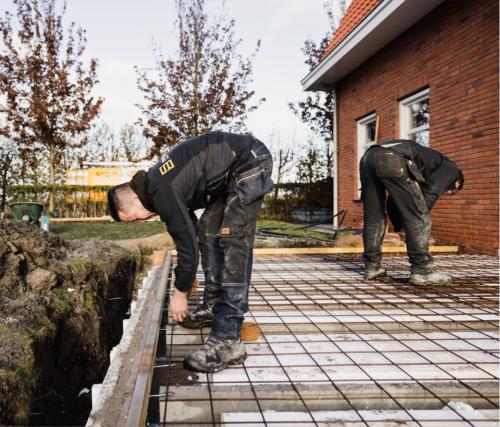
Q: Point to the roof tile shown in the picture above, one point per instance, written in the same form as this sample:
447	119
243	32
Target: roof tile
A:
355	13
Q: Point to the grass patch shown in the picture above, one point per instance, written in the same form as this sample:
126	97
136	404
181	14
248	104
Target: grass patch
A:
286	227
133	230
107	230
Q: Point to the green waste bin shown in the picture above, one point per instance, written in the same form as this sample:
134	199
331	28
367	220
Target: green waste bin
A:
28	211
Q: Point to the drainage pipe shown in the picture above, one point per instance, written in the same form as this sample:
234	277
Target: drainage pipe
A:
335	157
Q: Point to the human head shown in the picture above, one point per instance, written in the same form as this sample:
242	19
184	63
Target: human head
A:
124	204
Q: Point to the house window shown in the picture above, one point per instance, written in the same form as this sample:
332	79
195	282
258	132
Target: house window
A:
366	136
414	118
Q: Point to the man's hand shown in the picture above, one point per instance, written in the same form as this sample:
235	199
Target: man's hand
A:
178	306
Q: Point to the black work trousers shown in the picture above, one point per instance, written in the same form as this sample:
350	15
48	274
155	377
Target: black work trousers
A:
383	171
226	234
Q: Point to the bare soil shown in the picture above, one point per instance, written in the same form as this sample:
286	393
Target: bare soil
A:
159	241
61	310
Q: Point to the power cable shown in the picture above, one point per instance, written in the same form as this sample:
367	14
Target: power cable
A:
273	231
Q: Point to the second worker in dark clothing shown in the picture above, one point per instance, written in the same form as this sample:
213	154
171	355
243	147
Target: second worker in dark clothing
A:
414	177
228	175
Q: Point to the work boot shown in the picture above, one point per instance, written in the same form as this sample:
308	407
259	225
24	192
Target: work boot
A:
433	278
202	316
216	354
375	273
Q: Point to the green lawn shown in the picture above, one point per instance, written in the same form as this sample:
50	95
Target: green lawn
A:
133	230
107	230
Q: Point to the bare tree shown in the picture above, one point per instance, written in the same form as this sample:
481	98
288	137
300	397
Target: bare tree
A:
205	86
103	145
284	164
310	164
134	145
99	145
47	86
283	157
318	108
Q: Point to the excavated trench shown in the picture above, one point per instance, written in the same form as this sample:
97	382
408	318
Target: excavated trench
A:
62	306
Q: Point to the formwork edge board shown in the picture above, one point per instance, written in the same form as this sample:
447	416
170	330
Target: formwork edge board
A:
105	218
342	250
137	409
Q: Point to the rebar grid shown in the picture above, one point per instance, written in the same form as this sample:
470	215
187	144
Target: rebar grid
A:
335	348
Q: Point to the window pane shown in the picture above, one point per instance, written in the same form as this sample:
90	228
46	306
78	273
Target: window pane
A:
370	132
421	137
420	113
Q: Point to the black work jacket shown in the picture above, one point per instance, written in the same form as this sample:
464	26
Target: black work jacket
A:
194	171
435	172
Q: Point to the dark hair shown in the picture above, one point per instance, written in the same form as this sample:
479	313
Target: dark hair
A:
114	202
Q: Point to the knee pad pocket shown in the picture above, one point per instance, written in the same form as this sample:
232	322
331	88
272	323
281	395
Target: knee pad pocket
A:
254	183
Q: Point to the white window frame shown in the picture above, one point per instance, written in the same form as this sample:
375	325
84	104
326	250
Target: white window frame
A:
405	131
363	143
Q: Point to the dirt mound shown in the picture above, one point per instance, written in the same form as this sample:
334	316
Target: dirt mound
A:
61	311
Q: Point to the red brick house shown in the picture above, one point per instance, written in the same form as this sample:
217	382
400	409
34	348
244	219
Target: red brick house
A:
425	70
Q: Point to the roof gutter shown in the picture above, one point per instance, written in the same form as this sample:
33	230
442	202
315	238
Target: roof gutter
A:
387	21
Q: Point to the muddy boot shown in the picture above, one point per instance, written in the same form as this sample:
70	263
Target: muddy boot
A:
434	278
216	354
202	316
374	273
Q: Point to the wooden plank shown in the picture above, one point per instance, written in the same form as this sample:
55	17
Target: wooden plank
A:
106	218
326	251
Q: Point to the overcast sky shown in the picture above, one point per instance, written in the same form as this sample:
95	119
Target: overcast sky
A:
120	35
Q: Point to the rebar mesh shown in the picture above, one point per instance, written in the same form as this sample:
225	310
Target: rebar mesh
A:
337	349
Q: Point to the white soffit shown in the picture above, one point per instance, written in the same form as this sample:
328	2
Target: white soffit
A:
387	21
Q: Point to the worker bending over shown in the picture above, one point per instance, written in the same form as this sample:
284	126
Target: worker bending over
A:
414	177
228	175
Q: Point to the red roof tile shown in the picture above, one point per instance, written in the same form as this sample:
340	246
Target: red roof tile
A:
355	13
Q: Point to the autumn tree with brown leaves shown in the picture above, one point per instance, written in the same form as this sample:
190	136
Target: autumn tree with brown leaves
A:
203	87
45	84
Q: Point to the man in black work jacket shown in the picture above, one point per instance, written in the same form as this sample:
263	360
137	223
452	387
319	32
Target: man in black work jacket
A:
415	177
228	175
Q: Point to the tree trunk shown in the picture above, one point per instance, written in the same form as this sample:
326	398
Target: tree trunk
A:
278	182
4	183
52	178
4	193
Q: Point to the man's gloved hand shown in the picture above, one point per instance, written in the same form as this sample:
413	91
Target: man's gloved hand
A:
178	306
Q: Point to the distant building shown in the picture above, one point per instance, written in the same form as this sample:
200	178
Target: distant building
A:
425	70
104	173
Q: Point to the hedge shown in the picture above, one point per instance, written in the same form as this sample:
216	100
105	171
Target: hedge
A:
75	201
90	201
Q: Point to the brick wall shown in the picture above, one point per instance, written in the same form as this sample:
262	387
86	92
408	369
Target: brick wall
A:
454	51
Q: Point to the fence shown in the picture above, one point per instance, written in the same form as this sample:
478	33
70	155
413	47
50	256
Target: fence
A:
76	201
289	195
80	201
